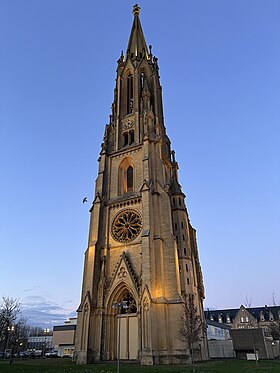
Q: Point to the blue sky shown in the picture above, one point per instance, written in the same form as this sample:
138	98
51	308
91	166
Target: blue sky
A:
219	65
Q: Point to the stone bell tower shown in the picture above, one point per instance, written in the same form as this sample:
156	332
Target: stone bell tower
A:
141	247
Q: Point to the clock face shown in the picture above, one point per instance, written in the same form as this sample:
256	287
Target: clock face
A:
126	226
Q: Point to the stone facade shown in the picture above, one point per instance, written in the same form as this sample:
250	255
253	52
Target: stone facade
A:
142	256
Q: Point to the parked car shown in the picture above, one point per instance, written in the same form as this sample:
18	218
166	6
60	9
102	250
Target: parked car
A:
23	354
37	353
5	355
51	354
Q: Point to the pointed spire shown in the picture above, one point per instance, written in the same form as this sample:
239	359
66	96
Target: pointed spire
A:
136	43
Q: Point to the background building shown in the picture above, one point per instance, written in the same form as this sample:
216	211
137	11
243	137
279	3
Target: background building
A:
251	328
219	340
217	331
64	337
247	318
252	343
41	344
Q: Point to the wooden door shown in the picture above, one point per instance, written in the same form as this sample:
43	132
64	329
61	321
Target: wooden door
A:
128	336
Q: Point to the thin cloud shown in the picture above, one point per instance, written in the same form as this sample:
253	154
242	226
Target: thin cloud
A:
40	311
35	287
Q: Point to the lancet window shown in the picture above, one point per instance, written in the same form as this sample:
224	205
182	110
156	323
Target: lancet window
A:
129	94
129	179
128	138
125	139
126	176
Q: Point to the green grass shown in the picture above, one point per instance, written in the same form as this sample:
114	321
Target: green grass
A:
66	366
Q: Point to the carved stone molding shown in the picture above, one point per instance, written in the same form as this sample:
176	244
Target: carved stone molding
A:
122	273
128	124
146	305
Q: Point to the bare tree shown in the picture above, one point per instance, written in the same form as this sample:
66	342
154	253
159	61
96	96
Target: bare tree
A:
12	324
193	325
274	329
34	331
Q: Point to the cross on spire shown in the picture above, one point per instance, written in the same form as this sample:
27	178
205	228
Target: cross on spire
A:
136	10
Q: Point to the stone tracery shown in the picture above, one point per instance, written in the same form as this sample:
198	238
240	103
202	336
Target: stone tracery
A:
126	226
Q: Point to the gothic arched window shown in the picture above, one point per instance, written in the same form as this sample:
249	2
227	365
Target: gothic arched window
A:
131	137
129	94
130	303
125	139
128	138
126	176
129	179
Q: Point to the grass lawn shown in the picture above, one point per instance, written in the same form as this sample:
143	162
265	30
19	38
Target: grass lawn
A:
65	365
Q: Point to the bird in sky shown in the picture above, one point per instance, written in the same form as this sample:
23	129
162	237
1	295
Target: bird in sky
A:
85	200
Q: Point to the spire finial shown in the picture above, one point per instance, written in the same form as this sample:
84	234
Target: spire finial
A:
136	10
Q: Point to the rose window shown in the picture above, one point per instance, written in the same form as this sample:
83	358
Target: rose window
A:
126	226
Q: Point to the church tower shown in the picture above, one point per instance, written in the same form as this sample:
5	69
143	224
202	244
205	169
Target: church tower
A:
142	257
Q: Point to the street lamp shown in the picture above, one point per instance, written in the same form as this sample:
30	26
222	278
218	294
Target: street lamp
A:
10	329
46	332
119	306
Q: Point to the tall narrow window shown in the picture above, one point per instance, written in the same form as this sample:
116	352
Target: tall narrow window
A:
126	182
129	179
131	137
129	94
125	139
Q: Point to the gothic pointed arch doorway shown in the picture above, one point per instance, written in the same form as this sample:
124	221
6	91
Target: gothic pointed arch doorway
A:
123	319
